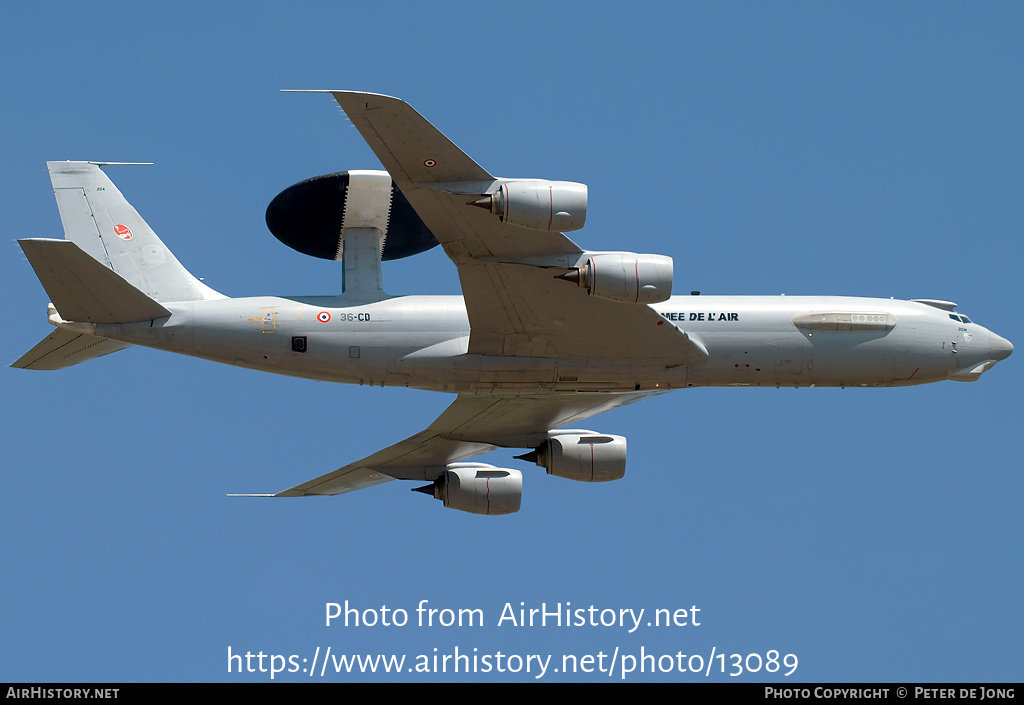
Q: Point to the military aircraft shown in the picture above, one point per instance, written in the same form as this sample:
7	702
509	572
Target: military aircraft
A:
545	335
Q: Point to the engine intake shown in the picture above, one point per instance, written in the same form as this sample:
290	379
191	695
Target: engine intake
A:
584	456
625	277
551	206
478	488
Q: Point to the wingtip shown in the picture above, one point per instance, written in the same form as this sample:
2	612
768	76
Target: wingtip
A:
335	92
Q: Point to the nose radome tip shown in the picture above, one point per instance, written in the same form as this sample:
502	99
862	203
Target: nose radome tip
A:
999	347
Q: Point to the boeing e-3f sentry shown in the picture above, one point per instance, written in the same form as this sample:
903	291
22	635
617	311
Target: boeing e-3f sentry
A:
545	335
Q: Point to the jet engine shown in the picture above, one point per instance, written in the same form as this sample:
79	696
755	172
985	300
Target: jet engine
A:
478	488
625	277
581	455
551	206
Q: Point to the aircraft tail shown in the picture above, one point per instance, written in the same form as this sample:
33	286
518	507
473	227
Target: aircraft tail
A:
81	290
98	219
112	268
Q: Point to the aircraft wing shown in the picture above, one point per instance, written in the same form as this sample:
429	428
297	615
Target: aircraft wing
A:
470	426
514	309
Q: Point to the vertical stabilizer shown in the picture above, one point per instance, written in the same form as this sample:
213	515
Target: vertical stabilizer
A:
99	220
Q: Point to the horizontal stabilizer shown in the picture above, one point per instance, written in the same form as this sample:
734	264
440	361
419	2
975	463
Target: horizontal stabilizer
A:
83	289
64	348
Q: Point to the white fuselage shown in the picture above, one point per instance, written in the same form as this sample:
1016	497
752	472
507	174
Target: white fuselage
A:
423	342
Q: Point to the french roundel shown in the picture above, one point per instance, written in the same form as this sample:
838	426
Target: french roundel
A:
323	316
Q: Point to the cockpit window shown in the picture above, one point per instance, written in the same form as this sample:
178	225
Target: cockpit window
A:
957	317
965	319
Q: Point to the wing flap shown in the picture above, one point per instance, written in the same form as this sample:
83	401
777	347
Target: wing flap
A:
520	310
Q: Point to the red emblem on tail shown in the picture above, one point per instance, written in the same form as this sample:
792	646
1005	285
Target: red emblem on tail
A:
123	231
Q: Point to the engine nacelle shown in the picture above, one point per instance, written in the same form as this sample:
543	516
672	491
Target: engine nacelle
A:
551	206
580	455
625	277
478	488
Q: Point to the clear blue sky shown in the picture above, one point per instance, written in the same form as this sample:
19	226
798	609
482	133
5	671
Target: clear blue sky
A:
801	148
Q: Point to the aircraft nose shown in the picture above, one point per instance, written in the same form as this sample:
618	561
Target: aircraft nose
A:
999	347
